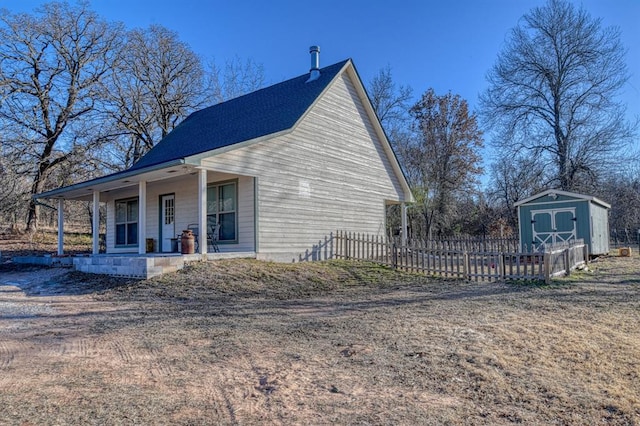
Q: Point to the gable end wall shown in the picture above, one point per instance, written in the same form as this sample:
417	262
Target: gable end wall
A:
330	173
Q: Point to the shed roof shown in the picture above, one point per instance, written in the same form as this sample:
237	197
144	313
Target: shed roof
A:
564	193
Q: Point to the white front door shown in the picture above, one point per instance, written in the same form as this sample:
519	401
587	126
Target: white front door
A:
167	221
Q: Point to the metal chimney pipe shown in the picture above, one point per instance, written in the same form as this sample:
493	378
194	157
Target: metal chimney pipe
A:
315	57
315	63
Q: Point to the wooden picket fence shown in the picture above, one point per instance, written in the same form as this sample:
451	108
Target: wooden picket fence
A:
478	244
432	258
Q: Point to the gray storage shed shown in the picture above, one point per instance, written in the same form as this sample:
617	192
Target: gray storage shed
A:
555	216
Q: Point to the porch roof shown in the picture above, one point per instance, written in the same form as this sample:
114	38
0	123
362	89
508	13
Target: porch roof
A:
124	179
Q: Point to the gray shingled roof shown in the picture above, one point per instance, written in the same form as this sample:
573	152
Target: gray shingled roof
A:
260	113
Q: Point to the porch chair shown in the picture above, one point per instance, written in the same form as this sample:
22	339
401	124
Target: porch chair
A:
212	237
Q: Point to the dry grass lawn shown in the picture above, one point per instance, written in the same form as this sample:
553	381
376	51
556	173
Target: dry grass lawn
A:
247	342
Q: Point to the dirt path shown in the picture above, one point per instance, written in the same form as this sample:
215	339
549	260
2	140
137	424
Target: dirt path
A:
40	317
14	302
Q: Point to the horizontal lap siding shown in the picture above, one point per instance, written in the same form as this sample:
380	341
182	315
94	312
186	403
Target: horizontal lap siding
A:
246	217
336	155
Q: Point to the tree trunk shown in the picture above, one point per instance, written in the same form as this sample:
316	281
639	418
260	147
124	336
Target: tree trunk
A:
32	216
565	182
36	188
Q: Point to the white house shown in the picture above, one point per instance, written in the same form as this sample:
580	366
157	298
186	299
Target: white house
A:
279	170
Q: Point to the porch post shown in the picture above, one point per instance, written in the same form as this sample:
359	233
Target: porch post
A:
95	228
60	226
403	214
202	211
142	217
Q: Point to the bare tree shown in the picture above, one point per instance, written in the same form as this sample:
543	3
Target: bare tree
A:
513	179
158	82
236	78
552	93
12	189
621	188
390	101
51	64
391	104
443	160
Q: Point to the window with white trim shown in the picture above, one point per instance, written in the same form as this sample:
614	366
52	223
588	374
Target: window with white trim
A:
127	222
222	208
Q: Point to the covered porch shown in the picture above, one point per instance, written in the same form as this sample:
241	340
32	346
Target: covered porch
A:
146	214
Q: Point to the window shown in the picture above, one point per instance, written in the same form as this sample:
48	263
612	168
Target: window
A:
127	222
169	210
222	208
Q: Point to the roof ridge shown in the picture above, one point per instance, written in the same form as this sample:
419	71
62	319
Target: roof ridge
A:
276	84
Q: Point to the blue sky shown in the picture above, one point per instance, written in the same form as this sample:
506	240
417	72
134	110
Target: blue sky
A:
446	45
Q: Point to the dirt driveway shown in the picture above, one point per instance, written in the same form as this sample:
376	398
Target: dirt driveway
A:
53	352
30	293
38	302
246	342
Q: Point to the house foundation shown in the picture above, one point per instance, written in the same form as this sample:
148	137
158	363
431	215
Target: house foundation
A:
130	266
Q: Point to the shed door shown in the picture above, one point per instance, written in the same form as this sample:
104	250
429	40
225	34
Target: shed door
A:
553	225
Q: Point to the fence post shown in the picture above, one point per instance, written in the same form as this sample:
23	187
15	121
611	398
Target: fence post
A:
547	267
567	266
585	252
343	248
465	265
394	255
346	245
